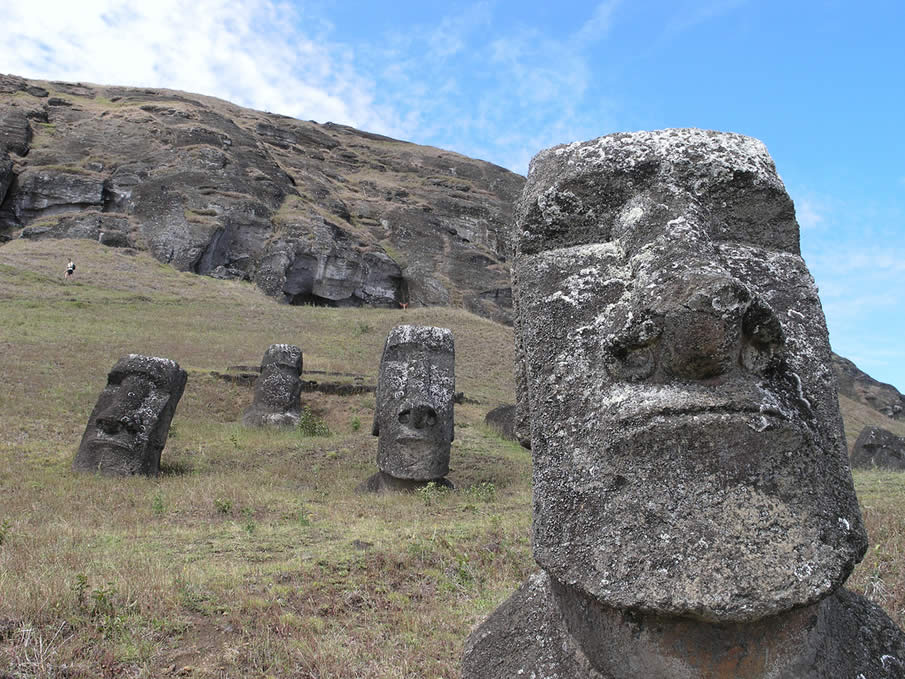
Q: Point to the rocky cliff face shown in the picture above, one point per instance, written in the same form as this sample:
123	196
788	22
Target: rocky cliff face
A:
319	214
859	386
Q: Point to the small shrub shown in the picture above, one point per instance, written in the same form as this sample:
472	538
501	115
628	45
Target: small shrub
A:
483	492
4	531
157	505
223	506
312	425
363	328
79	588
249	520
356	424
431	493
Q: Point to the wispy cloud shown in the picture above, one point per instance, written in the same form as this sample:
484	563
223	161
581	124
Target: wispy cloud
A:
247	51
808	213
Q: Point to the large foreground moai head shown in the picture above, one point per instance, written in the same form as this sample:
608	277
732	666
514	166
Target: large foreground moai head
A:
415	390
278	390
688	450
128	427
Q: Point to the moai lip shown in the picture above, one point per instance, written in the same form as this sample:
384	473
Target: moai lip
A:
414	415
278	390
128	428
689	458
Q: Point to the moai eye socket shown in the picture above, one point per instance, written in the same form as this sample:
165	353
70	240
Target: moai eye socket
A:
405	416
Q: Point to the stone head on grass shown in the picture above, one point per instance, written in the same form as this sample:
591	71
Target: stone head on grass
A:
128	427
688	450
277	391
414	416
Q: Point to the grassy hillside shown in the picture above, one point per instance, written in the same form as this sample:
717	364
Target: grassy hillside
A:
251	555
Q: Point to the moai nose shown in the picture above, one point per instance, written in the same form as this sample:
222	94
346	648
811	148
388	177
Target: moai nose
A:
418	417
717	327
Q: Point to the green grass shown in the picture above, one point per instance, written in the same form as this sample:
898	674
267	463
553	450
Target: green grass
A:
251	555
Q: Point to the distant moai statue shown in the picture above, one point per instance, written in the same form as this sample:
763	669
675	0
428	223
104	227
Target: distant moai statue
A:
414	414
876	447
277	399
129	425
694	511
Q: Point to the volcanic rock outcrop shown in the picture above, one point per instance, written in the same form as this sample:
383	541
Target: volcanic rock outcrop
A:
694	512
414	414
314	214
859	386
877	447
277	400
128	428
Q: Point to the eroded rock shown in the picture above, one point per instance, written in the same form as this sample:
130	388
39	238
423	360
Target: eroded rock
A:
277	391
128	428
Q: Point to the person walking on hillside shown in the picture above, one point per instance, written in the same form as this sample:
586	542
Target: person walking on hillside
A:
70	268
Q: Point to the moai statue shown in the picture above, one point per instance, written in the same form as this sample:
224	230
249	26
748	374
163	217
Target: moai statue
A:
128	427
694	512
414	415
278	389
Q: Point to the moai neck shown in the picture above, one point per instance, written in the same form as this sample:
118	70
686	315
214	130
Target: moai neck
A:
621	644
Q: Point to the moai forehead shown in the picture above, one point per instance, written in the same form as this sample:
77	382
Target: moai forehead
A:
128	427
284	356
415	389
688	451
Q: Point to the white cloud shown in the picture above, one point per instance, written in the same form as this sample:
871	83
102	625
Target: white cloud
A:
246	51
808	214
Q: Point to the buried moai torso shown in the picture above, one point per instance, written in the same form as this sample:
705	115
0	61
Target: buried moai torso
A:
691	480
129	425
414	415
277	391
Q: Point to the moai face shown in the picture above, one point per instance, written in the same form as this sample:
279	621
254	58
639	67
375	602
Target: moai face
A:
128	427
415	389
688	451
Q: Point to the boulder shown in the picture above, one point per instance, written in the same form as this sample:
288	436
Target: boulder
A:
878	448
502	420
128	428
414	413
277	391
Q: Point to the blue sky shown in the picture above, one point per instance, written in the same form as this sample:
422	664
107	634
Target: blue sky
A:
821	83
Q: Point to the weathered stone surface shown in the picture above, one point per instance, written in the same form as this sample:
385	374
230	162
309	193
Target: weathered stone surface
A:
678	378
108	229
414	414
15	130
859	386
876	447
128	427
6	174
547	629
277	391
49	192
314	214
502	420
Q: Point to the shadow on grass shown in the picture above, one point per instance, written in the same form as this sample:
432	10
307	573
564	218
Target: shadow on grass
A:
176	468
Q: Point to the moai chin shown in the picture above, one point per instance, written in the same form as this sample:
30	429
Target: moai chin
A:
129	425
414	415
278	390
690	468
